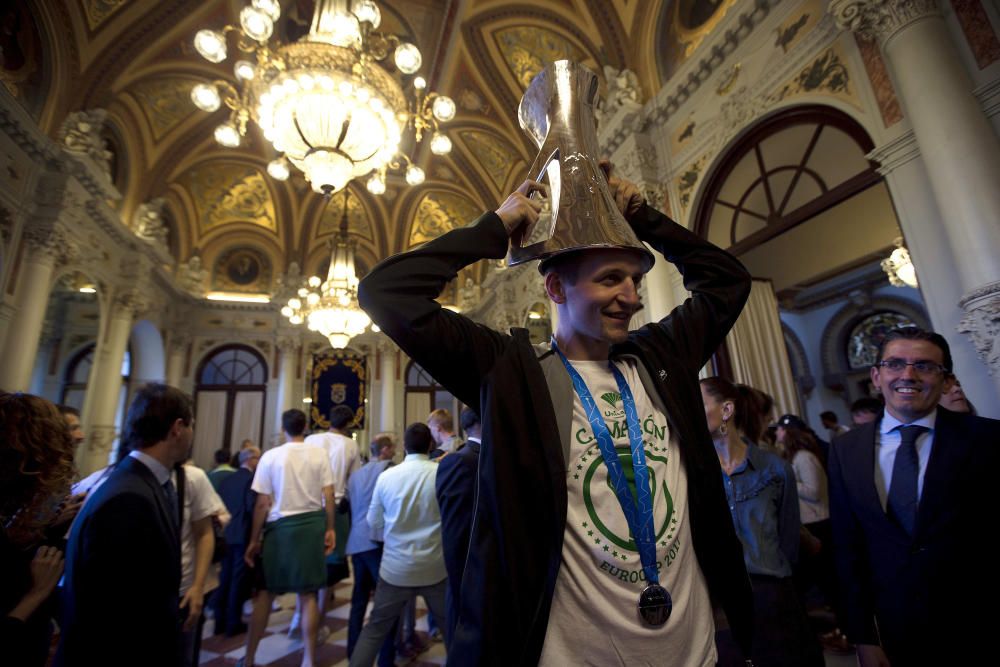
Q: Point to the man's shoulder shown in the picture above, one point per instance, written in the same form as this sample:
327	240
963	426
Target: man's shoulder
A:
985	430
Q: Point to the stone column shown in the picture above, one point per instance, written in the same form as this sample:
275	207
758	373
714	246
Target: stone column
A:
387	393
177	349
288	397
45	248
105	382
962	148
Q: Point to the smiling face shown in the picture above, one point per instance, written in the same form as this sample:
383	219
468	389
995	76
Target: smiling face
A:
595	309
910	395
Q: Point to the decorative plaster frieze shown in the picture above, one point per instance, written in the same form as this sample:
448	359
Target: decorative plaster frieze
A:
880	19
981	323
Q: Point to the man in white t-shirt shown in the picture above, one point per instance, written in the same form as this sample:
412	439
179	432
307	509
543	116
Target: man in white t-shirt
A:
292	530
554	572
201	503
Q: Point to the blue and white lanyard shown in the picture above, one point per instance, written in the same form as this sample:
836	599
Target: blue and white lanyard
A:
638	511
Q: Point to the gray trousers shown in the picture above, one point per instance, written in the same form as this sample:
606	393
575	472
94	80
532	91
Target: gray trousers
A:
389	602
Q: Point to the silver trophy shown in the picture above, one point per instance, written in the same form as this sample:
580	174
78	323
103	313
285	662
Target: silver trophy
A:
579	213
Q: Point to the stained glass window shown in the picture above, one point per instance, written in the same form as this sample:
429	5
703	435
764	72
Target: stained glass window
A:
864	339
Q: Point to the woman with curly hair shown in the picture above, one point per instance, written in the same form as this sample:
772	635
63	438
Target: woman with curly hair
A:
36	468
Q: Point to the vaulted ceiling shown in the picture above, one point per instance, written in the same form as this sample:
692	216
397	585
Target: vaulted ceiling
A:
135	58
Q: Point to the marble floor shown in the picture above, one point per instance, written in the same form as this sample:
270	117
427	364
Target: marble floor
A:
277	650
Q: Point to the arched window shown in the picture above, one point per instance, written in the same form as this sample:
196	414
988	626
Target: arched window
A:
230	398
74	385
865	337
424	394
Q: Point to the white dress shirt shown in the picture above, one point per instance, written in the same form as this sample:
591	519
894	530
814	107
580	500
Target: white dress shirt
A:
405	509
887	444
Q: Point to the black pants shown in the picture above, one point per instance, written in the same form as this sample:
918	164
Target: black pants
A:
235	580
366	564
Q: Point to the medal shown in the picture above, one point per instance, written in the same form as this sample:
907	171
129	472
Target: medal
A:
655	605
654	602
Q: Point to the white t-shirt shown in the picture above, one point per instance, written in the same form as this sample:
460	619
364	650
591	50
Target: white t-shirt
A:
601	576
200	501
344	458
294	475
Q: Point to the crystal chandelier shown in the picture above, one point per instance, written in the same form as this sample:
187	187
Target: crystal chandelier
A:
899	267
324	102
331	306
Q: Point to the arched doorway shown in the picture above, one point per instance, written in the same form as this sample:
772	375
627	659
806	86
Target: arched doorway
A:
230	397
423	395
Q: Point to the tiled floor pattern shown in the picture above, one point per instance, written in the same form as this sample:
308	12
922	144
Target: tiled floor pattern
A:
277	650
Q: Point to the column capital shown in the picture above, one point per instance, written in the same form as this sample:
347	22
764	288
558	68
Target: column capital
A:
880	19
981	323
288	342
178	342
133	302
50	244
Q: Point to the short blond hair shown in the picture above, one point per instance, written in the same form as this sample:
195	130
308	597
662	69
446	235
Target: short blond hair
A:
442	419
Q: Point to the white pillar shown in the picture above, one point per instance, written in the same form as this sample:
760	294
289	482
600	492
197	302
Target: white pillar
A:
105	383
961	146
176	353
387	393
288	395
17	358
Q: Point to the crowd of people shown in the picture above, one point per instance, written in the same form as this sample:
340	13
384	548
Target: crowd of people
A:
607	505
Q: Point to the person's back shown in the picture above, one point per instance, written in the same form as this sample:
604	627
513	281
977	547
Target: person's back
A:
359	489
294	474
411	522
124	548
340	448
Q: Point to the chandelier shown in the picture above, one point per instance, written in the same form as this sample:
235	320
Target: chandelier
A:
899	267
324	102
331	306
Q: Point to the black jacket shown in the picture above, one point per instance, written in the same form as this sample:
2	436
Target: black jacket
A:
520	514
455	485
916	595
123	567
240	500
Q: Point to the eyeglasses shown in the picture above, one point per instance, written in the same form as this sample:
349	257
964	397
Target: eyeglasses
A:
921	367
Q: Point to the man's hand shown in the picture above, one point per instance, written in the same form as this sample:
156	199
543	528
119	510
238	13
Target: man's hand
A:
872	655
329	542
249	556
626	193
518	210
194	600
69	509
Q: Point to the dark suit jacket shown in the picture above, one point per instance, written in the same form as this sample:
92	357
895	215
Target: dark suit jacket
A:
457	477
123	574
239	499
916	594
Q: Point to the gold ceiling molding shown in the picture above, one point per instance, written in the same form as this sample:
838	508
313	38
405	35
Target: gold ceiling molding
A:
492	153
357	217
528	49
99	11
229	193
440	212
165	102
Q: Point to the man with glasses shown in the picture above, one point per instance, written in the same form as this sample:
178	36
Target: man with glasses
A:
908	495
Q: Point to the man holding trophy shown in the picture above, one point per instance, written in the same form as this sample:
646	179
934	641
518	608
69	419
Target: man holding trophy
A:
601	532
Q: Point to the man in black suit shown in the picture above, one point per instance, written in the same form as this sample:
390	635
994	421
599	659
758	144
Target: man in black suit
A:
457	477
123	561
908	495
235	579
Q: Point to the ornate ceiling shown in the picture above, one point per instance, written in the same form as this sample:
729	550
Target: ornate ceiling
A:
135	59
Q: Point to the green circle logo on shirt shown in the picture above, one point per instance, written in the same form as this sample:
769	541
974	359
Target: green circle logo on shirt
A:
625	456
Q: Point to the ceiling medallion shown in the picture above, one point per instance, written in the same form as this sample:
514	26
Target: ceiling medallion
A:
325	102
331	306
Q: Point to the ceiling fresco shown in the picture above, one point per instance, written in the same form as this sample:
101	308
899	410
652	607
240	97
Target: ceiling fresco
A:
135	59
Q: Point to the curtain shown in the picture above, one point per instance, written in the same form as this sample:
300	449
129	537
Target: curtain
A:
418	406
247	409
757	350
209	427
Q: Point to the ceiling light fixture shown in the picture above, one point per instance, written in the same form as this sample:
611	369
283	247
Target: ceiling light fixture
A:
899	267
324	102
331	306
